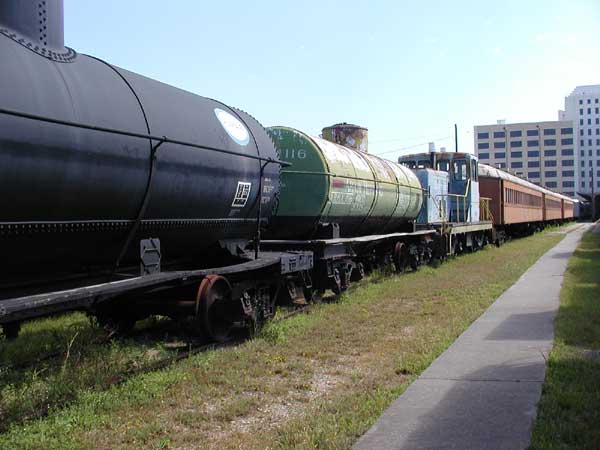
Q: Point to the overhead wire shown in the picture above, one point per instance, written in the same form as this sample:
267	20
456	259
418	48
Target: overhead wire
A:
413	146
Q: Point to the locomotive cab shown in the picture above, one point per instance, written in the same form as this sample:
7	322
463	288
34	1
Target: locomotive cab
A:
463	183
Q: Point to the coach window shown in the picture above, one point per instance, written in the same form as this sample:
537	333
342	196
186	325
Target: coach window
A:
474	170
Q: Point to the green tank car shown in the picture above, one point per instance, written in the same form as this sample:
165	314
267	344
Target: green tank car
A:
331	184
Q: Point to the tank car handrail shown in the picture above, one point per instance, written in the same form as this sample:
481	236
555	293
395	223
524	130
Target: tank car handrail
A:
349	177
163	139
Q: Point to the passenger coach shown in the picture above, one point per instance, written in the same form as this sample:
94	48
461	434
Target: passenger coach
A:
519	206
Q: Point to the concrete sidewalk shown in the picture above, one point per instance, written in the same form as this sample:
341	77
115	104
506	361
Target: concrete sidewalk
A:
481	393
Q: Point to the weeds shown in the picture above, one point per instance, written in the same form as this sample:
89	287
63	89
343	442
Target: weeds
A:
314	381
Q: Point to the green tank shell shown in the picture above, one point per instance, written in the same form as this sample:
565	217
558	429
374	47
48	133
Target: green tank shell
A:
329	183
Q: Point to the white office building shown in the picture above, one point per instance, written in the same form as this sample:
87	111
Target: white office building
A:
543	152
583	108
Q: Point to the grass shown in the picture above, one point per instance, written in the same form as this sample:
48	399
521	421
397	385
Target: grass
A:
313	381
569	410
84	361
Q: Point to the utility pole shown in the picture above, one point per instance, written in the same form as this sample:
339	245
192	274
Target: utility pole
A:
593	200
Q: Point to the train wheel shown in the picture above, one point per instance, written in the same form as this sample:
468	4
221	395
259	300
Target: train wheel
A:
415	261
338	283
358	273
214	307
400	257
315	296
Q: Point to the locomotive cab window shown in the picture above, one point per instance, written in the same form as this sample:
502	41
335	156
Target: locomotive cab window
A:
424	164
461	170
443	165
474	170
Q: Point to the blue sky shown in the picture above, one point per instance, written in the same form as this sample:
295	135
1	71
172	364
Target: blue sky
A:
406	70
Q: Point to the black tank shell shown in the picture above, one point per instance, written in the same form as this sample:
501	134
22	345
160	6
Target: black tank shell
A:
69	196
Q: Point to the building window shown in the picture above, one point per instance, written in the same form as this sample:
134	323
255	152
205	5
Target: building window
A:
583	174
566	131
501	165
516	165
589	121
568	173
550	163
567	163
499	144
532	133
581	101
589	131
589	142
483	135
590	152
568	184
533	175
589	101
551	184
583	184
581	111
500	155
549	152
589	110
484	156
499	134
580	121
583	163
596	110
516	133
582	152
483	145
550	142
566	152
597	121
566	141
533	164
596	101
549	132
516	154
550	173
533	154
533	143
597	131
516	144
